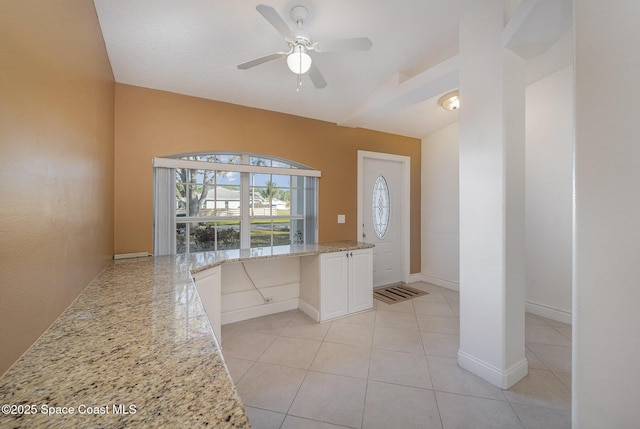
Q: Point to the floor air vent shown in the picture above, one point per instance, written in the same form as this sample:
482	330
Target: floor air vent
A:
397	293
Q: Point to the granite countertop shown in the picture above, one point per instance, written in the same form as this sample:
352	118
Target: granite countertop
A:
135	349
205	260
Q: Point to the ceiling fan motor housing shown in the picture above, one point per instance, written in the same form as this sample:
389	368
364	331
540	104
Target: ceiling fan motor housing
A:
301	38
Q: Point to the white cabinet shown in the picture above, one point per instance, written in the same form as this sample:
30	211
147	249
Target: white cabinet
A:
208	285
360	280
336	284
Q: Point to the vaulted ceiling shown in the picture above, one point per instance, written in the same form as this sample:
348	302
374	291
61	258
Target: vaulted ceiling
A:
193	47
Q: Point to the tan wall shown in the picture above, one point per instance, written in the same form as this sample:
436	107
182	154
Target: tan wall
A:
155	123
56	163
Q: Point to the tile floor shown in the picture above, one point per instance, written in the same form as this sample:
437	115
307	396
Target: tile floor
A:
393	367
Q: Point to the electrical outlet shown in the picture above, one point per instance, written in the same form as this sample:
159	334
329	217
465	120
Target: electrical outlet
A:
268	299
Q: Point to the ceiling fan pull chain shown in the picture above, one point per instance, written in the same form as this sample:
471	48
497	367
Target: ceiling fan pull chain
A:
299	74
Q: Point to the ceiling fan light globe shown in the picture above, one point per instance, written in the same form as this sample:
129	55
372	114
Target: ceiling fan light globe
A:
299	61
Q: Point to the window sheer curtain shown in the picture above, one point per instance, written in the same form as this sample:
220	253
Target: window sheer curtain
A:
164	211
311	210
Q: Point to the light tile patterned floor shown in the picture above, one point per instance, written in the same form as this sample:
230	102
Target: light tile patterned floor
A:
395	367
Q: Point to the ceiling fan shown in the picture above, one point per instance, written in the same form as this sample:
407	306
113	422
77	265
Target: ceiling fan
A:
300	43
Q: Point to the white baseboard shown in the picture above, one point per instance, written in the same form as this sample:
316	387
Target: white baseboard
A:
131	255
549	312
543	310
416	277
441	282
503	379
258	311
309	310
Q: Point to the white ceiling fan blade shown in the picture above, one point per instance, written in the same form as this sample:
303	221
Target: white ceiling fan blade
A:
259	61
316	77
274	19
355	44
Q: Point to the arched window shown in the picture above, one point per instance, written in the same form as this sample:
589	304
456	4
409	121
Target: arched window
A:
229	200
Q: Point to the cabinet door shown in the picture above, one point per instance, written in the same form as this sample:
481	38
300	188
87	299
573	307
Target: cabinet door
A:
334	285
360	280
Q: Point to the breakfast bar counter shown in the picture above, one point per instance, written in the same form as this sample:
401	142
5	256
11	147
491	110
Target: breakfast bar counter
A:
135	349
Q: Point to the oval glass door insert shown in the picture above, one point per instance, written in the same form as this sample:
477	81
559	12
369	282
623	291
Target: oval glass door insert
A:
381	207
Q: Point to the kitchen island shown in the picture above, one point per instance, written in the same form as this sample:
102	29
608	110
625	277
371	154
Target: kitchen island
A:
135	349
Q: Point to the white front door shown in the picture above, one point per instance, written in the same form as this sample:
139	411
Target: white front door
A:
382	217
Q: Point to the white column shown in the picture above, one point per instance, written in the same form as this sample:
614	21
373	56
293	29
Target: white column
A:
492	90
606	313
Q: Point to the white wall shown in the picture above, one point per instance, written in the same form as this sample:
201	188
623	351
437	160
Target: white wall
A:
549	145
606	345
549	181
440	226
277	279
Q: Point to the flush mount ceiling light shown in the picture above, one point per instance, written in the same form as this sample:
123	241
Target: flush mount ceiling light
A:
450	101
299	61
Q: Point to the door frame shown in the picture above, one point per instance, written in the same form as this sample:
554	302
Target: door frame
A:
405	185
